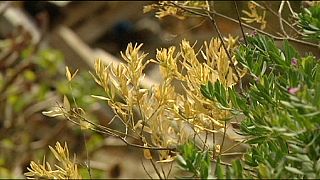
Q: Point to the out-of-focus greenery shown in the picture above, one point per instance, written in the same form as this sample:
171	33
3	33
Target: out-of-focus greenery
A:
309	20
27	83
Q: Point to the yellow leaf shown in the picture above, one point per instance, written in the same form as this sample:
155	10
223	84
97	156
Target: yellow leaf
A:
84	125
101	97
147	153
74	74
66	103
68	74
53	113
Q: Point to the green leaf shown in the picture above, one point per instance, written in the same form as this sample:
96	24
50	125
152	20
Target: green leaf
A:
290	52
228	173
255	140
263	171
219	170
294	170
238	169
181	162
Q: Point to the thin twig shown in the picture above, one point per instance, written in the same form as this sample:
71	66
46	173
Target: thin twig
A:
233	146
87	164
156	169
87	155
268	34
294	14
109	132
286	22
280	19
239	20
223	137
170	169
247	26
145	170
162	170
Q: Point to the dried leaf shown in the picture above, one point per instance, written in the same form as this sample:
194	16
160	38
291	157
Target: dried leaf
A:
147	154
101	97
66	103
68	74
84	125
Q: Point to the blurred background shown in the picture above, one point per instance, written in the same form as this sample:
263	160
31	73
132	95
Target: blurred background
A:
39	38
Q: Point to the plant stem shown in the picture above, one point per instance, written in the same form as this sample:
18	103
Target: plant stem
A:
156	169
239	20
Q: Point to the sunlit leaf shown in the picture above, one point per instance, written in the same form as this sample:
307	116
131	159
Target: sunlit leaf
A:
66	103
53	113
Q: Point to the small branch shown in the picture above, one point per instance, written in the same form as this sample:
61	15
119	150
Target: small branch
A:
224	136
145	170
109	132
294	14
170	169
239	20
280	19
233	146
156	169
286	22
164	174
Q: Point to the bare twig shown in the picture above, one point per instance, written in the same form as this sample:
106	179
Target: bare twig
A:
223	137
239	20
170	169
145	170
162	170
285	21
156	169
281	19
294	14
233	146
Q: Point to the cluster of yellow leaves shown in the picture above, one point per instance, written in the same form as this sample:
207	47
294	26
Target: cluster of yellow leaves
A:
253	15
161	111
165	8
67	170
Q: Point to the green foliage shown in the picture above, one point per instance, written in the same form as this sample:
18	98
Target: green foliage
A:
195	161
309	20
281	106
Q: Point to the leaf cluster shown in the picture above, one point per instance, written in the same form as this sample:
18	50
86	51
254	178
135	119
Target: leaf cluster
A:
195	161
309	20
281	106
